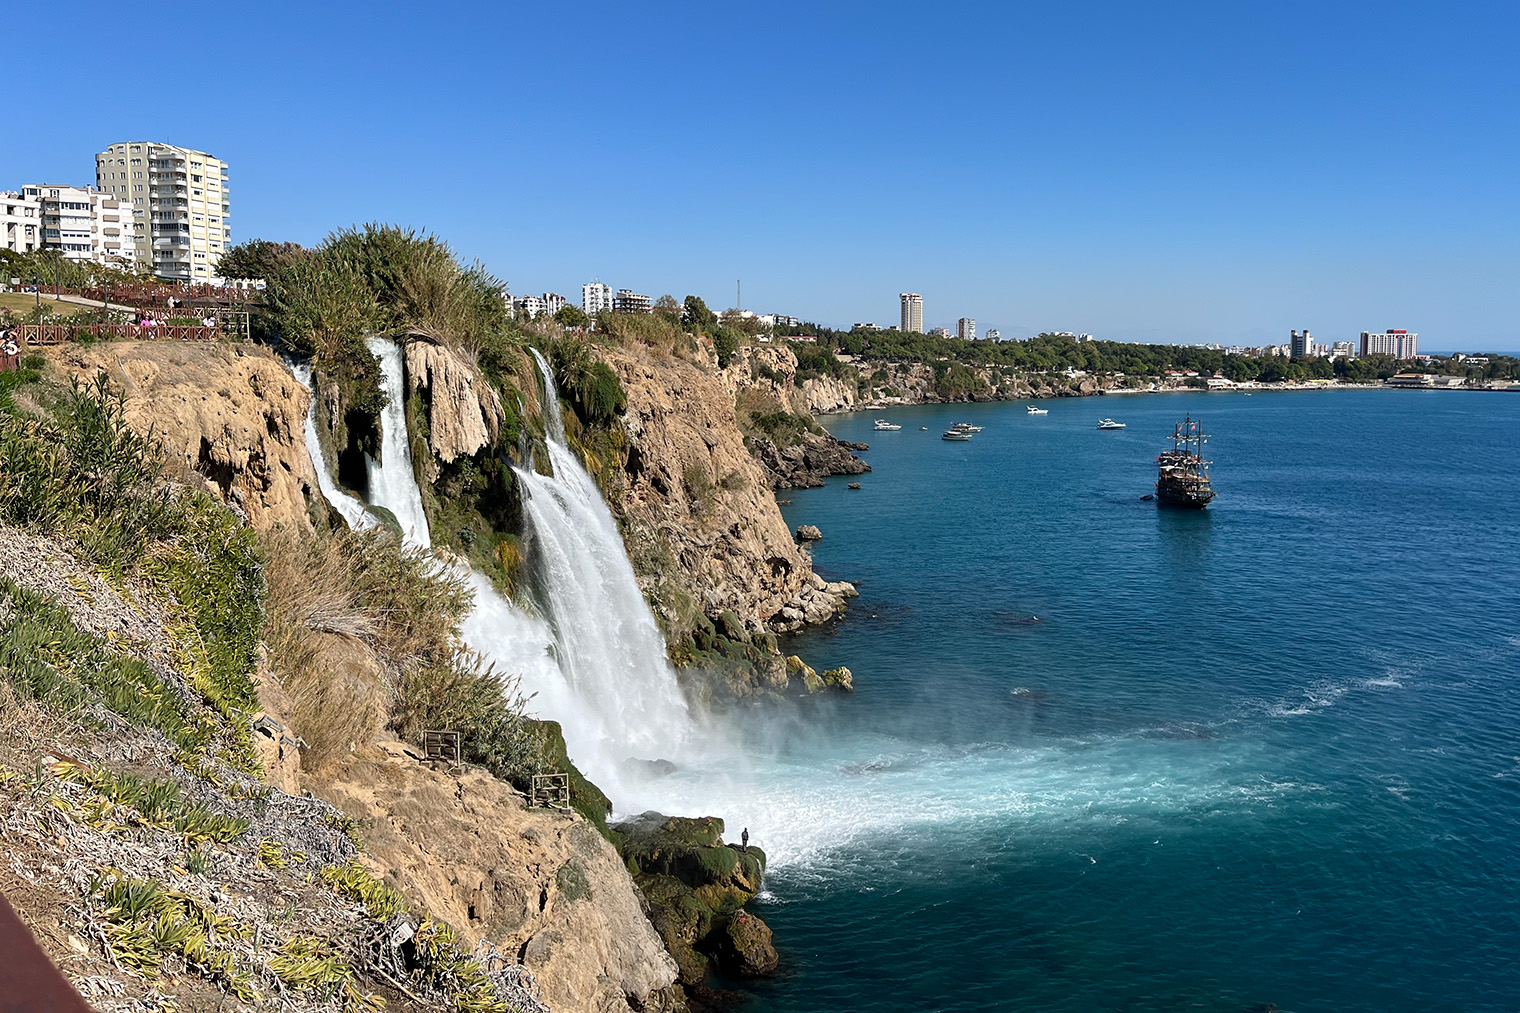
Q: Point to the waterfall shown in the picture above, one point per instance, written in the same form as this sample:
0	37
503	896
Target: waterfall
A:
598	665
392	484
347	504
608	645
554	416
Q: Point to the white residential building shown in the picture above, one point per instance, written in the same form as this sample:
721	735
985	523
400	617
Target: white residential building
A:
82	223
629	301
553	303
965	329
180	202
912	312
993	334
20	223
530	306
595	297
1399	344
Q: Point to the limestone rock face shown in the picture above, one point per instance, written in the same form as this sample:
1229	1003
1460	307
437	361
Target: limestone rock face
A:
701	523
464	411
231	418
808	533
543	887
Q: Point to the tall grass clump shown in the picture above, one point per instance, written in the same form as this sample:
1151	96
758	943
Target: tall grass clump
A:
651	330
591	385
366	634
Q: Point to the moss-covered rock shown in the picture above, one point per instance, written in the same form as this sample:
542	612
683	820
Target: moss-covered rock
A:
839	678
801	675
695	885
742	946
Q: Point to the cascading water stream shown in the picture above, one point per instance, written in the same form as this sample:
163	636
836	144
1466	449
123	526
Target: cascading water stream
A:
392	484
609	647
349	506
514	642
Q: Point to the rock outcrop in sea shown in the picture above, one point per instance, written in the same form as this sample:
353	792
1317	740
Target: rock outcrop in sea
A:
697	887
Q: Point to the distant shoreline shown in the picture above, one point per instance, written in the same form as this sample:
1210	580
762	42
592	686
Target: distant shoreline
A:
869	406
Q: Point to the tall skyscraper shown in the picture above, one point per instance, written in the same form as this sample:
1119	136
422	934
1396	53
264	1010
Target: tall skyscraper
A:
965	329
912	312
179	200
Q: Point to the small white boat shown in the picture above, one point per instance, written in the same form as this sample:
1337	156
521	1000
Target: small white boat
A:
1109	424
959	435
883	426
966	427
923	429
1031	409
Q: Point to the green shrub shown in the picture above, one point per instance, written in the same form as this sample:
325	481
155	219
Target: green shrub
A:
726	341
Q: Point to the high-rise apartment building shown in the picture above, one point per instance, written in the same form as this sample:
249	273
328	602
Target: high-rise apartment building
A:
20	222
82	223
912	312
595	297
180	201
1301	344
1399	344
965	329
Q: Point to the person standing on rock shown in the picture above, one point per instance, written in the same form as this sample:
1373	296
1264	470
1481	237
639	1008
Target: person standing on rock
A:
744	840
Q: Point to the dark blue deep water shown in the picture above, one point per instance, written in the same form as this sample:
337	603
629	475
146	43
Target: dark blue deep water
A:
1105	756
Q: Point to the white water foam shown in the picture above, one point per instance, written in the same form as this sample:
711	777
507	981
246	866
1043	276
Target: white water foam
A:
392	483
349	506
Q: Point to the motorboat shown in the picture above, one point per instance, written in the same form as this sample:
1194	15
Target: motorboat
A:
1109	424
1031	409
883	426
966	427
923	429
958	435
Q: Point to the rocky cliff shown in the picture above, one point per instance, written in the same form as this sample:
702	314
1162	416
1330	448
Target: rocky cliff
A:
539	887
230	418
700	520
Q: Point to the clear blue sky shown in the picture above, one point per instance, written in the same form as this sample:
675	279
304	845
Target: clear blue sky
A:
1165	170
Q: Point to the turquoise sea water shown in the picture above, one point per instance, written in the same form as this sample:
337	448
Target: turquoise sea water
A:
1105	756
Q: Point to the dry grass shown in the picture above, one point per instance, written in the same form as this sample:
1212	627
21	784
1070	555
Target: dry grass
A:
365	637
349	617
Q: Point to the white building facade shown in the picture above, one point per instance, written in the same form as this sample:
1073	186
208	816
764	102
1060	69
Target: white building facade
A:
180	201
629	301
965	328
84	224
20	222
1397	343
595	297
912	312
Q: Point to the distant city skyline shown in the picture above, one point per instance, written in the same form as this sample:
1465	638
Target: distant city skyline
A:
1184	174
